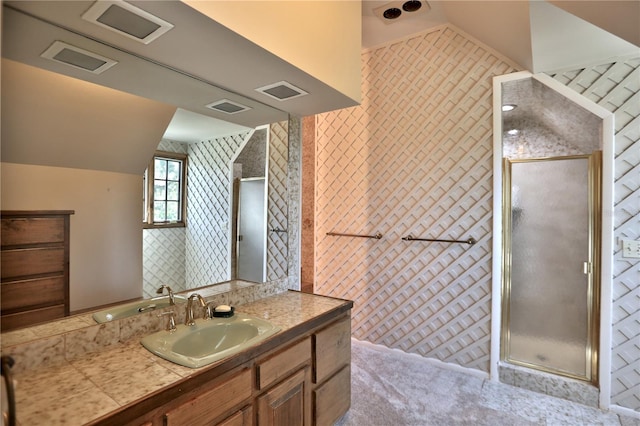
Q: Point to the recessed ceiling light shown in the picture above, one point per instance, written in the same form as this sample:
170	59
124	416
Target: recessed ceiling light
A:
78	58
397	10
411	5
282	91
392	13
508	107
227	106
127	20
513	132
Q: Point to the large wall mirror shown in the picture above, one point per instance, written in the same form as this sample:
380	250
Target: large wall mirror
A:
80	140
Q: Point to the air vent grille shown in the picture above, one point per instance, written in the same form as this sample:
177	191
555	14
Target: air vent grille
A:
78	58
127	20
282	91
227	106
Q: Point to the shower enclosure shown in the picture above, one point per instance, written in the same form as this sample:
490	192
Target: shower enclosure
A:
552	150
551	229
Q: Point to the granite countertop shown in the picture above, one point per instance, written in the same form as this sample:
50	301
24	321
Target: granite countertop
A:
83	388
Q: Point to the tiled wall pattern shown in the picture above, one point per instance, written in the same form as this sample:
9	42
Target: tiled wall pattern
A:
163	250
207	233
414	158
163	260
277	206
616	87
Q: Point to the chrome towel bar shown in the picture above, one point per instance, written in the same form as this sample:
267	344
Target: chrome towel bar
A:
337	234
471	241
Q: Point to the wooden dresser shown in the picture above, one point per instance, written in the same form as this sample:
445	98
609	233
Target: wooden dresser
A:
34	267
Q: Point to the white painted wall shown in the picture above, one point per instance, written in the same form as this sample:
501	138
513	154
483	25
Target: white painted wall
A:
106	229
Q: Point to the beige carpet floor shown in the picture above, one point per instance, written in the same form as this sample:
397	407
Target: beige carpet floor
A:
392	388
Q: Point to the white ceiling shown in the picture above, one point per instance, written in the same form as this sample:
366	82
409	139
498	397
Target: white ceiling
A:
190	127
537	35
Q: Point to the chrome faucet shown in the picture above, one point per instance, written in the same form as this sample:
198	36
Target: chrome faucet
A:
189	317
172	300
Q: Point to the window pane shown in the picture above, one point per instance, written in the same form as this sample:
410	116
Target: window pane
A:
160	190
172	210
159	211
160	167
173	170
173	191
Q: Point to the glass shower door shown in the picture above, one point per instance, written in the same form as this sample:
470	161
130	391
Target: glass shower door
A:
550	265
252	225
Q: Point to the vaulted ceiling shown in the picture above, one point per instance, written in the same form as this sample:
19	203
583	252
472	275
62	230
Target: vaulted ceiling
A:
540	36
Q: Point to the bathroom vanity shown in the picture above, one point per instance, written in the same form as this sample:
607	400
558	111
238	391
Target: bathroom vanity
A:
299	376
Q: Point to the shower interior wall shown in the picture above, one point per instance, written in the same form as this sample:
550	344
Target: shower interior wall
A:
415	158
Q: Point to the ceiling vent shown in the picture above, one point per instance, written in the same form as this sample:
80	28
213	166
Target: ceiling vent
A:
127	20
399	10
282	91
227	106
78	58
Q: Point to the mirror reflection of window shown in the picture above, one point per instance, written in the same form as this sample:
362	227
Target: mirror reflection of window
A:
164	195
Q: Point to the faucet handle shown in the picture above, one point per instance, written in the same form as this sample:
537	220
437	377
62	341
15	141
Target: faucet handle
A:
208	310
171	322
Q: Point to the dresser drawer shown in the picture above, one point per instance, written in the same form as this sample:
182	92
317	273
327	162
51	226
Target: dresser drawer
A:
333	349
37	230
278	366
35	316
35	292
35	261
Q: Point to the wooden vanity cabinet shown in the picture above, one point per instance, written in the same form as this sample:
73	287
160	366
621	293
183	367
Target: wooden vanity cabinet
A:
304	381
34	267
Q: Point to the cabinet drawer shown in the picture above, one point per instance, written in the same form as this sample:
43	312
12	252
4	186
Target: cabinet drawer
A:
332	399
283	363
333	349
24	262
36	292
204	409
35	316
21	231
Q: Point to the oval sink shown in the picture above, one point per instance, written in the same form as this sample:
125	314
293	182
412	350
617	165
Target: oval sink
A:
134	308
209	340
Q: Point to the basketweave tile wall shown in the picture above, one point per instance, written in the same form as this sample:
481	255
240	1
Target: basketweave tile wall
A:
414	158
616	87
163	250
207	235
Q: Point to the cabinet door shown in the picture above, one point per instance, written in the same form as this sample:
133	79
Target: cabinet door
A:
241	418
332	400
286	404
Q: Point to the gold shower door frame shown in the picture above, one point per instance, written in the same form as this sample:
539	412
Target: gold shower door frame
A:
592	268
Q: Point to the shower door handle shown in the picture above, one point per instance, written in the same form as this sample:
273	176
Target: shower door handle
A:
587	268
